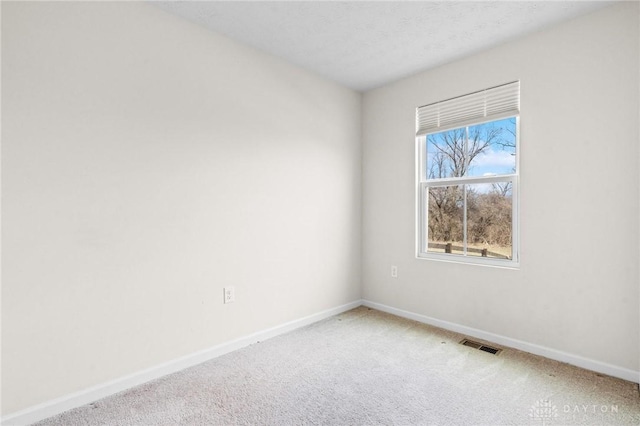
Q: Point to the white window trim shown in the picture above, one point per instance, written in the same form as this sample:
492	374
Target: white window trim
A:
422	185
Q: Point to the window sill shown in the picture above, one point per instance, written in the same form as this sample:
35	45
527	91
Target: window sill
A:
473	261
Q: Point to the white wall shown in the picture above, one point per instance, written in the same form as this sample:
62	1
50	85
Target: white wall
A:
146	164
577	288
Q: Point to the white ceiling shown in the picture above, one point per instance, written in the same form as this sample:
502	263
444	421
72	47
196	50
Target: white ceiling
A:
365	44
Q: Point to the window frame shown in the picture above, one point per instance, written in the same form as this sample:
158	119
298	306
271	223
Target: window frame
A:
423	183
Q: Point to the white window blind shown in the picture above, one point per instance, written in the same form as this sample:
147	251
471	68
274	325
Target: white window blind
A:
486	105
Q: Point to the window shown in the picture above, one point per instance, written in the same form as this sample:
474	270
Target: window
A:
467	177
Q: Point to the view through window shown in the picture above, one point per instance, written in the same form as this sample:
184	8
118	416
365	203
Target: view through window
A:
468	179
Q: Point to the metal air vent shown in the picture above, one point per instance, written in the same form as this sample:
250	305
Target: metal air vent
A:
482	347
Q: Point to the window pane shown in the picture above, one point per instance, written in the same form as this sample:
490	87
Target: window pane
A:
446	209
492	148
489	215
445	154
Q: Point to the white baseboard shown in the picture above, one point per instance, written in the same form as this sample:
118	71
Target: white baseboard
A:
86	396
589	364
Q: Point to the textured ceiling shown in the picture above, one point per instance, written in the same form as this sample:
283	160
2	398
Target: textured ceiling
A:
365	44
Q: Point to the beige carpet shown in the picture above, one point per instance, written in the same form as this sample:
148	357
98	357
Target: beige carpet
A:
365	367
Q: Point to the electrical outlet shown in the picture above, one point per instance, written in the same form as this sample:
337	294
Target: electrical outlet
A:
394	271
229	294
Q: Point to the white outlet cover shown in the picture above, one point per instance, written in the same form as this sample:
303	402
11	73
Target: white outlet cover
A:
229	294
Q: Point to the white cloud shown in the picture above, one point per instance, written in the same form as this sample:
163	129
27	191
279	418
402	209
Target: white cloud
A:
492	159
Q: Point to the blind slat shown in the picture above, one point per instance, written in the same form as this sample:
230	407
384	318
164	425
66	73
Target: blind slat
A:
496	102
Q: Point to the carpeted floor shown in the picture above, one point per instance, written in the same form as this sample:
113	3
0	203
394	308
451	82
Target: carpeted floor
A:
365	367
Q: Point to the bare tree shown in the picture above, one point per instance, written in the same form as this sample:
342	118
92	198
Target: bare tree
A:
451	154
502	188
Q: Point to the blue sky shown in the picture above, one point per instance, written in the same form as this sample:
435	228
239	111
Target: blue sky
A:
495	159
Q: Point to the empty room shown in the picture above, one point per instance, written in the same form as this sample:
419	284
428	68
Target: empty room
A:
319	212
